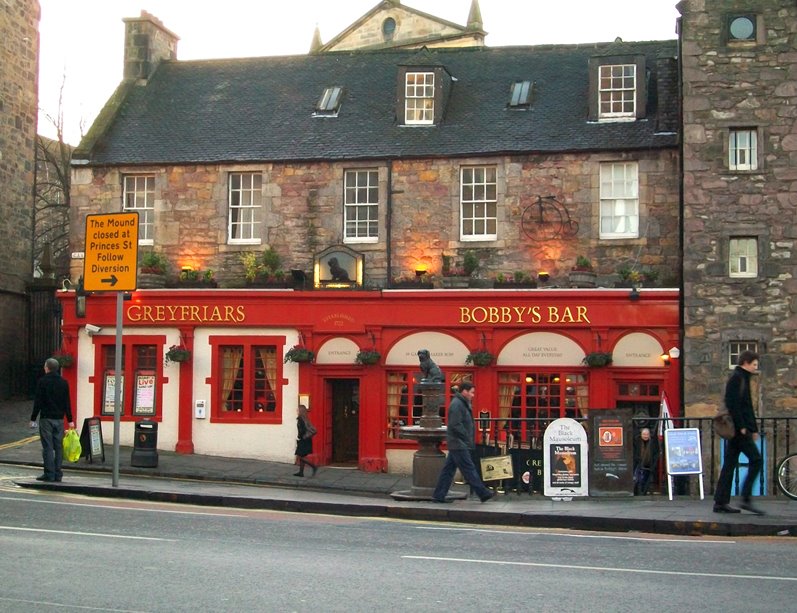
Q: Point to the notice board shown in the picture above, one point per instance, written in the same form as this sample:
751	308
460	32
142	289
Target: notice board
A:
611	452
91	443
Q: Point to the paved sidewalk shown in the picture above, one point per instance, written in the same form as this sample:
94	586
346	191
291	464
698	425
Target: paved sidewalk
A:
244	483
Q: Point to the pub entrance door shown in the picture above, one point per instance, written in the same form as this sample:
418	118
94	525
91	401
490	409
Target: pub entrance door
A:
344	397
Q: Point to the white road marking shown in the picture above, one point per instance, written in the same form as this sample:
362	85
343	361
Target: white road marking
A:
651	538
605	569
66	605
120	508
74	533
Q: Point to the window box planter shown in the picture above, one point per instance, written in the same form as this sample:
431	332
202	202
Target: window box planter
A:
513	285
582	278
411	284
455	282
150	280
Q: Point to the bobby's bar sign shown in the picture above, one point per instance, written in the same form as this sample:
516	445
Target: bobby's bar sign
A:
535	314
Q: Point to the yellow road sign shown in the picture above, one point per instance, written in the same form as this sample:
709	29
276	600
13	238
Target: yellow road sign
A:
111	260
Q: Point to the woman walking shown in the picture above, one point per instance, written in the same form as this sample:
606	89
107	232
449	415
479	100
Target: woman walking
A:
304	441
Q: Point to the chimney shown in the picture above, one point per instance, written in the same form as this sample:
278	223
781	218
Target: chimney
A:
147	42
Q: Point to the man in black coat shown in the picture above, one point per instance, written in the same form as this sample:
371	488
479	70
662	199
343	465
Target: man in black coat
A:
739	402
460	441
51	404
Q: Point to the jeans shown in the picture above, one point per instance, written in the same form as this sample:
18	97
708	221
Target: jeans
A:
459	458
741	443
51	433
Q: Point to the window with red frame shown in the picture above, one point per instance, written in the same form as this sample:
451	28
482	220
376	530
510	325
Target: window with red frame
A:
405	406
248	382
534	399
139	393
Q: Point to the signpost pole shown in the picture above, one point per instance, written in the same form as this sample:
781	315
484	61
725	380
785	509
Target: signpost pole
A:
117	388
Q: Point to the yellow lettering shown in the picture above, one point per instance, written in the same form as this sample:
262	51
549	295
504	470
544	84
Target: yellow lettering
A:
464	315
519	312
194	312
228	313
172	312
215	314
160	312
582	314
567	316
184	310
536	317
481	317
241	313
147	313
134	313
553	315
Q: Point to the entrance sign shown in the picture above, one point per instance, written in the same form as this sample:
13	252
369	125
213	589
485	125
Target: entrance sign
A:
682	446
111	261
565	459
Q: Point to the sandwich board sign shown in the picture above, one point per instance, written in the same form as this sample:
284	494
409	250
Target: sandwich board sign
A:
682	446
111	261
565	459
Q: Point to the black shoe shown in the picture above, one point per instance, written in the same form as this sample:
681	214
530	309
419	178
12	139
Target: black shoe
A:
44	478
298	474
58	479
748	506
441	501
486	498
315	470
725	508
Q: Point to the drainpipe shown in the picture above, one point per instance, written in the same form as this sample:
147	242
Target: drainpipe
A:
389	224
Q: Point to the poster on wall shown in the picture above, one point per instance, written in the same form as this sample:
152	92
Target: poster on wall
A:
145	395
108	394
565	453
612	452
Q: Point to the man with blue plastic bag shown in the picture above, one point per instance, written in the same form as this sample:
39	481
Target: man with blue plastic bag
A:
51	404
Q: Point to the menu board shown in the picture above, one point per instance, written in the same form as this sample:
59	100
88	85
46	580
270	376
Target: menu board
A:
145	395
611	452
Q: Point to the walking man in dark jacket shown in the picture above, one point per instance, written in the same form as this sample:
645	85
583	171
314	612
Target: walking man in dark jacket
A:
459	438
51	404
739	402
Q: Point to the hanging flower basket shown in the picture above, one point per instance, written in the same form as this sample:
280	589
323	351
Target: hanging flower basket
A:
298	354
479	358
65	360
367	357
597	359
177	353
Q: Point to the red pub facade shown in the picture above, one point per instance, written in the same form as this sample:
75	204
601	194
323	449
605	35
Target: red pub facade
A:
236	395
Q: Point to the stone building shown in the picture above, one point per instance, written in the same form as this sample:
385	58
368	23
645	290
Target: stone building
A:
739	67
19	67
373	176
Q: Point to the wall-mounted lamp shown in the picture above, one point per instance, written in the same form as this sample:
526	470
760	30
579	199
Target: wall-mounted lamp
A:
543	276
420	270
674	353
187	268
665	357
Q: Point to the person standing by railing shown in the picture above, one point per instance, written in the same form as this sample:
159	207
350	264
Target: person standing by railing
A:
739	402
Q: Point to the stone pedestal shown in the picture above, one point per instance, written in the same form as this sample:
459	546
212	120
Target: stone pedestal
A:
428	460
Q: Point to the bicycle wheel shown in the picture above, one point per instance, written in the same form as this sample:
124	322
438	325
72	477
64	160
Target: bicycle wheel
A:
787	476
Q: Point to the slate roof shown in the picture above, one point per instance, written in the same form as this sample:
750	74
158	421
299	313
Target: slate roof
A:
261	109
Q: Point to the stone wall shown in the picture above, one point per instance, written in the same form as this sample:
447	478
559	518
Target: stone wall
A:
303	214
19	67
739	85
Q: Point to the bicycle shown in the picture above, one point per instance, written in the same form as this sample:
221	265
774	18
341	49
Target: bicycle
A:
787	476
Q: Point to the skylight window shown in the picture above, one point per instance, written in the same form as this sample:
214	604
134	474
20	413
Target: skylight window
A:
520	94
329	104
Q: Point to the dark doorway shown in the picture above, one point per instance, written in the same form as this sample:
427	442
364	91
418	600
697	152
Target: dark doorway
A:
345	404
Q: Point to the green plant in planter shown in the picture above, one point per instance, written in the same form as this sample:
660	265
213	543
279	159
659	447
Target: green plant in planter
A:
367	357
597	359
583	264
470	263
479	357
190	275
65	360
298	354
177	353
153	263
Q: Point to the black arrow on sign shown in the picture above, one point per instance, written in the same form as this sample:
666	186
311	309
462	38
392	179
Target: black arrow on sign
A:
112	280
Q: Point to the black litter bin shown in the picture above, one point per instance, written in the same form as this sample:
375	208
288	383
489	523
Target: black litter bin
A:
145	444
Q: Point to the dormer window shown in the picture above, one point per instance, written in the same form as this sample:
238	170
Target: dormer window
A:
617	87
520	94
419	98
617	90
329	103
